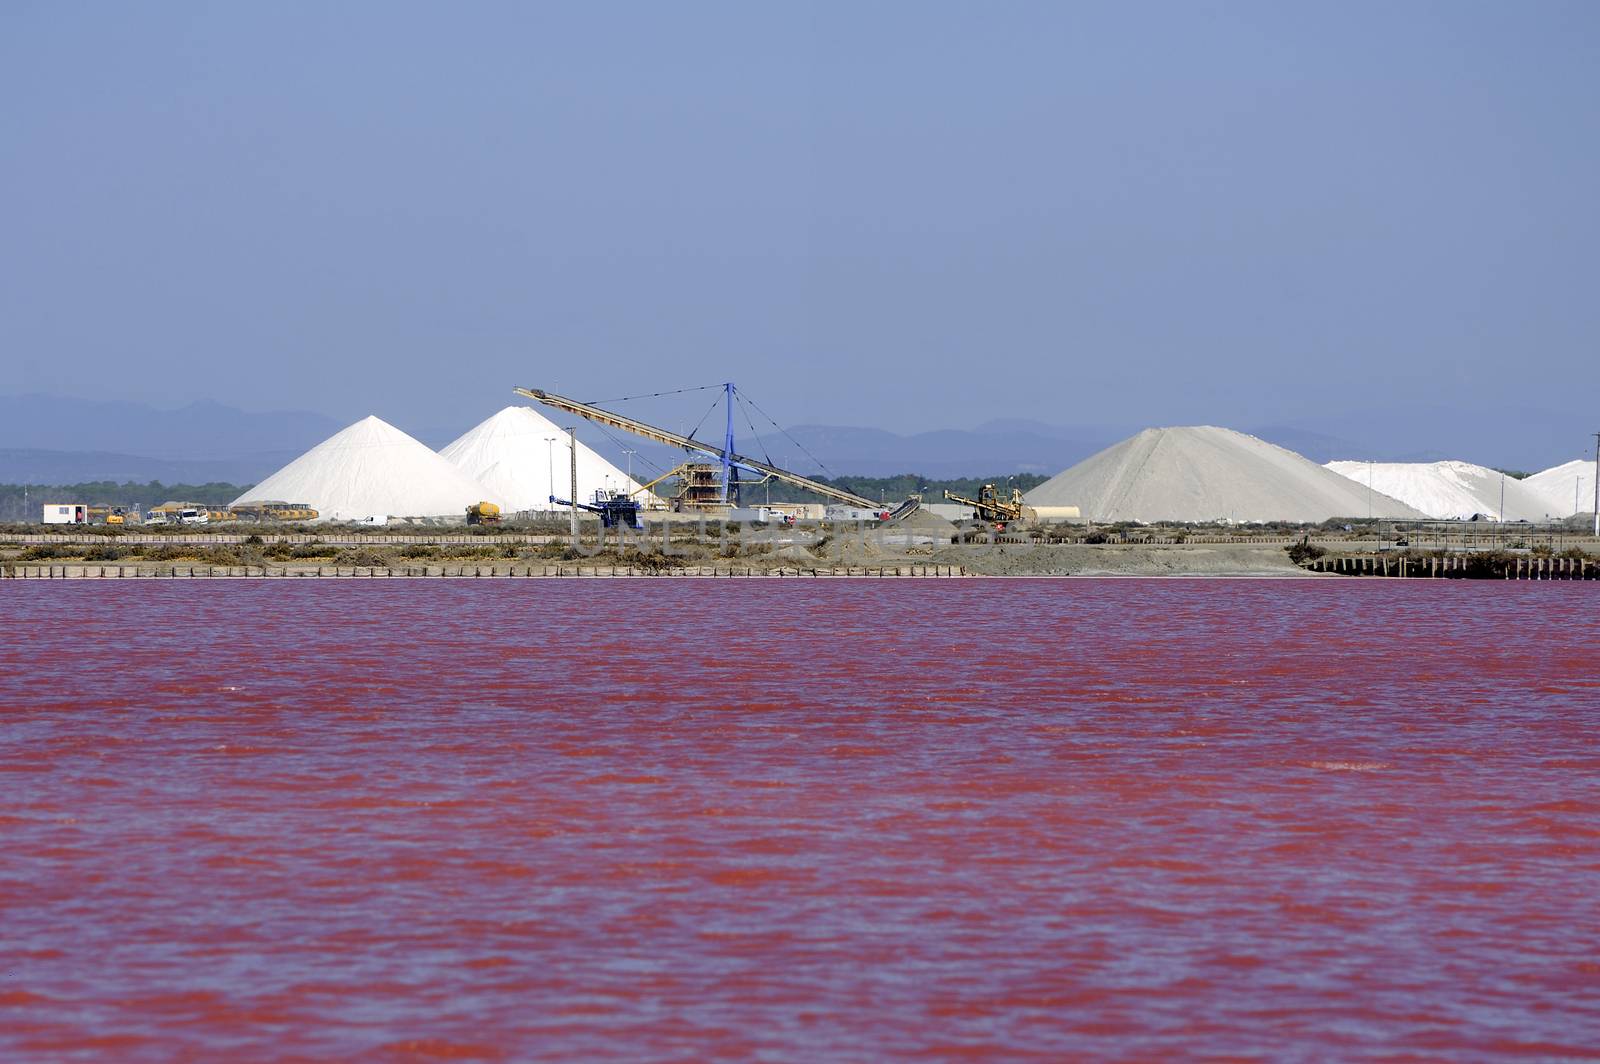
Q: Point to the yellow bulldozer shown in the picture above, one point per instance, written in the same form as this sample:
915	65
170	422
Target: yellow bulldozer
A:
990	506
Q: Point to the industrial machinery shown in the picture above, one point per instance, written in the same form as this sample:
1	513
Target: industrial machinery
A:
483	513
699	488
275	511
107	515
990	506
696	475
614	507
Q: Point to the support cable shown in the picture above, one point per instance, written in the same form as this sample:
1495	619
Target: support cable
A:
654	395
703	417
619	441
790	438
743	409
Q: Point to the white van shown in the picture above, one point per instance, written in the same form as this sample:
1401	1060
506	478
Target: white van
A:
193	517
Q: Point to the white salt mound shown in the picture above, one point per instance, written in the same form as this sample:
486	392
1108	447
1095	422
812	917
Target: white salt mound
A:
372	469
510	455
1565	489
1448	490
1205	473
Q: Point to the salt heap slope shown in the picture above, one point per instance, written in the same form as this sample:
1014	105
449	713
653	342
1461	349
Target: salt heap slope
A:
1448	490
372	469
1205	473
509	454
1565	489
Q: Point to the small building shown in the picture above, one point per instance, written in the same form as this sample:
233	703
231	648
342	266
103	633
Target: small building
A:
856	513
66	513
765	515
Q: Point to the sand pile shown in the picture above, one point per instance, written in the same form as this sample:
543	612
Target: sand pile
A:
372	469
1565	489
1448	490
511	455
1205	473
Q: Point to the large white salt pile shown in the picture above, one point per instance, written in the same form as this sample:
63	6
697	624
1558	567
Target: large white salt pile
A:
1205	473
1448	490
372	469
1565	489
512	454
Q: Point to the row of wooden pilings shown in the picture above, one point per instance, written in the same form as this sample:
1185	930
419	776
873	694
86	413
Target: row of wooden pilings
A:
1460	566
80	571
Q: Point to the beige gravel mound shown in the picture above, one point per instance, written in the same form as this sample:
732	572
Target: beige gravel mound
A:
1206	473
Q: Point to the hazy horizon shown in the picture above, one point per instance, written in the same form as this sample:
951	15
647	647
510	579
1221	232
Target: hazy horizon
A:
907	216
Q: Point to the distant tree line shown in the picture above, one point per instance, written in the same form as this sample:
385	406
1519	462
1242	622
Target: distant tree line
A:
22	502
895	488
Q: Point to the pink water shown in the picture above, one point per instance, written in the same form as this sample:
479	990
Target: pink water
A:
799	820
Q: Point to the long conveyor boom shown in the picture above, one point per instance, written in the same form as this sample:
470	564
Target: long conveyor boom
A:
673	439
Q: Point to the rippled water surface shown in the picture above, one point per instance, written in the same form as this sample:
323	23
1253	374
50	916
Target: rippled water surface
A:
799	820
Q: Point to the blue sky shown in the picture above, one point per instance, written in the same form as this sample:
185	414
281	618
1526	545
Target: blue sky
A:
910	215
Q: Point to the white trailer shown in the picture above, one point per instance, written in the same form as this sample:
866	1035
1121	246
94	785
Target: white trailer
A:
768	515
66	513
856	513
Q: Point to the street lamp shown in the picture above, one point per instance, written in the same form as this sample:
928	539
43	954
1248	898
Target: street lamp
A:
1597	485
550	451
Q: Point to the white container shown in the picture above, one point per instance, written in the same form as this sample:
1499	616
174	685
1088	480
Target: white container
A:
759	514
66	513
855	513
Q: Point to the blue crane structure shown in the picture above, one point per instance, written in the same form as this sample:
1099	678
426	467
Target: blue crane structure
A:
728	459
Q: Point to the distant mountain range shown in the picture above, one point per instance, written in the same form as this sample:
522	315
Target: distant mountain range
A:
199	430
25	466
53	440
50	439
993	447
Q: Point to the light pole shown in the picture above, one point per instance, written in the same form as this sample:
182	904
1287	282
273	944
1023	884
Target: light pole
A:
630	455
572	502
1597	485
550	449
1369	489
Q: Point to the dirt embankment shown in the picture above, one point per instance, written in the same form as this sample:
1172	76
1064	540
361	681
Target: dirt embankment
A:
1079	559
